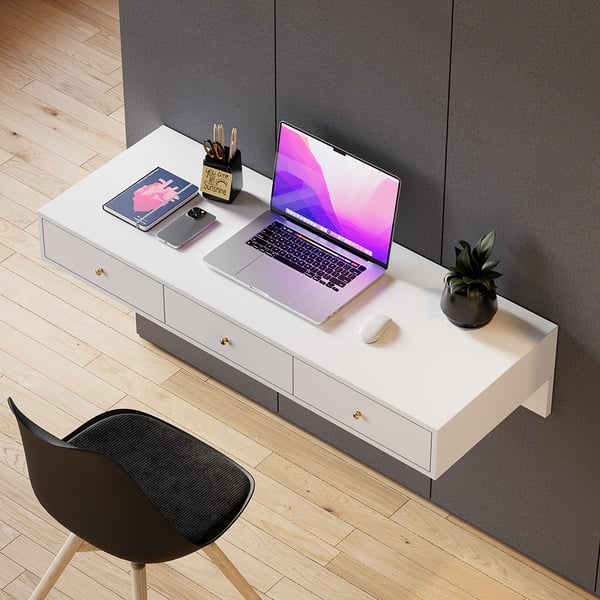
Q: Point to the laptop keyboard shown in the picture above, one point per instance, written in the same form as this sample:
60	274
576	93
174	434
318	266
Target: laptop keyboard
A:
298	252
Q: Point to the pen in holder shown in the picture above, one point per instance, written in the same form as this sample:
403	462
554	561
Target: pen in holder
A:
222	179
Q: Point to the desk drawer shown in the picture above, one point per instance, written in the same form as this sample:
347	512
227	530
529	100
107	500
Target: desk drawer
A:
102	270
228	340
362	415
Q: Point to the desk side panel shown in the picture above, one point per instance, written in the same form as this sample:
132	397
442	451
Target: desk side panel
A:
493	405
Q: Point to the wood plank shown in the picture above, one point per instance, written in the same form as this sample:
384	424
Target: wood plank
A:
5	156
105	42
286	589
54	338
150	397
73	125
35	56
95	162
200	569
118	92
397	538
7	533
318	490
169	582
9	569
103	125
35	154
45	399
292	564
73	291
17	192
290	442
370	580
38	529
519	556
37	19
73	582
490	560
303	512
45	183
379	490
110	7
291	534
14	76
44	135
113	575
80	325
11	453
219	558
104	16
404	573
5	252
23	586
170	357
38	62
154	595
17	215
18	240
42	360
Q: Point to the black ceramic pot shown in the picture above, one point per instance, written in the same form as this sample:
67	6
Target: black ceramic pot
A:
467	312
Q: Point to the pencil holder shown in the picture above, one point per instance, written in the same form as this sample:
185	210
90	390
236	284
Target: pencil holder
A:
222	180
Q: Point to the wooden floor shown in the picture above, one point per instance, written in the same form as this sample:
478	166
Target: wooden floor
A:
320	525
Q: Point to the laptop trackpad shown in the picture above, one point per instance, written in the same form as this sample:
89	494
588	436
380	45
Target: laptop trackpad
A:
278	281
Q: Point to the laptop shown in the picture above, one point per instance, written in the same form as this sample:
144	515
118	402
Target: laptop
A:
327	236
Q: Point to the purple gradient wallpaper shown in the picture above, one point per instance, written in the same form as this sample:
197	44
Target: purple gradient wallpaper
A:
337	194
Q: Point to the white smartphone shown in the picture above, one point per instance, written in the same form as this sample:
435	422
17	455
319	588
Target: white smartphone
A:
186	227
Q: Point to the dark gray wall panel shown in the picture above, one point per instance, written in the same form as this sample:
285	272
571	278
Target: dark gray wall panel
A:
523	156
187	64
372	77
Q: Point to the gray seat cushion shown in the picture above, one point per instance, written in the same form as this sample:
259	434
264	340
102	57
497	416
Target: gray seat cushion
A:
196	488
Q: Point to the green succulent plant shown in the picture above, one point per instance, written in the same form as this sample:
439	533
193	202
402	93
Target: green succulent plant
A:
473	273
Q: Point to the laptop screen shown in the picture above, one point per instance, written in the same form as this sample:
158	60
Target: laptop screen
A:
334	193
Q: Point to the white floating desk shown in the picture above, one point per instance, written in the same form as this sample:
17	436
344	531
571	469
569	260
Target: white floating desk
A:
425	393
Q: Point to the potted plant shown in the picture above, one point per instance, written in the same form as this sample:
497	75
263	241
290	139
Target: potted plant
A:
469	294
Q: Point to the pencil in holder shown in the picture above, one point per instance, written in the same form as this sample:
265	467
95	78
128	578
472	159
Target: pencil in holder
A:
222	179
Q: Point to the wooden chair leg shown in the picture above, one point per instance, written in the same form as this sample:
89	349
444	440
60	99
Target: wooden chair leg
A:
56	568
229	570
138	581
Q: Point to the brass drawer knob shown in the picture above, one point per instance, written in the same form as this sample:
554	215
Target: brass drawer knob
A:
224	341
100	271
357	415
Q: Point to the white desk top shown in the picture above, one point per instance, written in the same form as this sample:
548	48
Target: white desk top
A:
424	367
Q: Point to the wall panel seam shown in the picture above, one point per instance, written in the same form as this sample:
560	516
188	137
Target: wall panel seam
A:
441	256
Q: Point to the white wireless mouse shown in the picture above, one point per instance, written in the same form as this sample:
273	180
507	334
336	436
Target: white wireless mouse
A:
373	328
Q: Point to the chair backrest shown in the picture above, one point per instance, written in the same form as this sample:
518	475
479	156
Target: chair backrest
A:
93	497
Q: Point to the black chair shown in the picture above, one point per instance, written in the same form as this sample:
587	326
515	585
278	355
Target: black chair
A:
137	488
